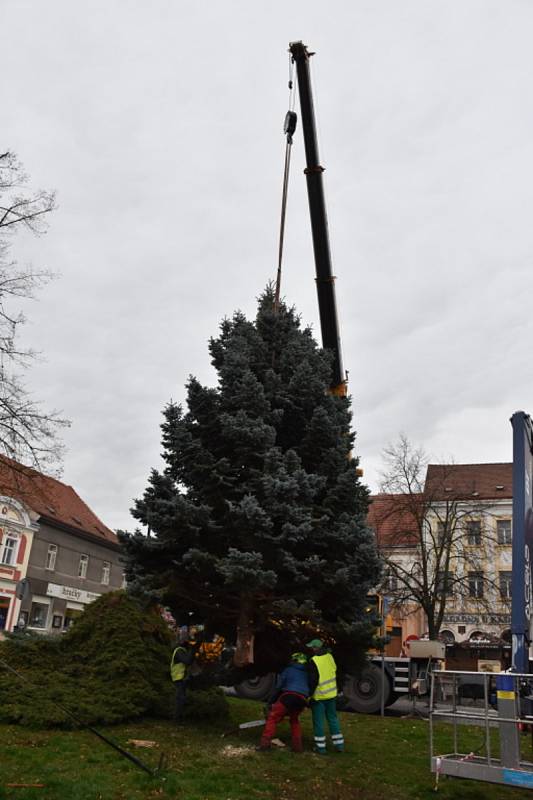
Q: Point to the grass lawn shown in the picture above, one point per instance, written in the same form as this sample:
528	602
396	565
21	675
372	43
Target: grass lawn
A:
385	759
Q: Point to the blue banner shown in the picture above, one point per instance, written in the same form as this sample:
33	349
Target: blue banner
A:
522	538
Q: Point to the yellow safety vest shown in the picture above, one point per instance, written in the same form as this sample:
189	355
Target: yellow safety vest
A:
177	671
327	680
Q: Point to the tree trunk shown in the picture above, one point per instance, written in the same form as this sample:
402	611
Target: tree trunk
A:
244	650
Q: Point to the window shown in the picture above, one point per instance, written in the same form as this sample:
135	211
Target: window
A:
503	529
57	621
444	583
475	584
505	585
82	569
441	530
4	609
9	548
38	615
473	532
51	556
124	581
447	636
23	619
461	629
71	615
106	570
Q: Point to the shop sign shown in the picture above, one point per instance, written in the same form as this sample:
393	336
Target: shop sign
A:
476	619
70	593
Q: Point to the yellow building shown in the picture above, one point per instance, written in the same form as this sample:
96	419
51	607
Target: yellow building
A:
449	556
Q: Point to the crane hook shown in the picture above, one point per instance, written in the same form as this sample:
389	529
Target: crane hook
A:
289	126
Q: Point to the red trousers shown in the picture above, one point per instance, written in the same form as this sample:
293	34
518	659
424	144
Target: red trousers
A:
277	713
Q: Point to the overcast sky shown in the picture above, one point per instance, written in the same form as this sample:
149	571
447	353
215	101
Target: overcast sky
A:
160	126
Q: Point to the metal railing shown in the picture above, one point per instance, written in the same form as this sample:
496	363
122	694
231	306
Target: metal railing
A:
504	711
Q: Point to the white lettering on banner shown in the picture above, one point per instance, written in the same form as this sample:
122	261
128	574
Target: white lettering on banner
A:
70	593
475	619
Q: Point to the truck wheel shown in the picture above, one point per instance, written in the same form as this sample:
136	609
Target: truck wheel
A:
393	696
363	691
258	688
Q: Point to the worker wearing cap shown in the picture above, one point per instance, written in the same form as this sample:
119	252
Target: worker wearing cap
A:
182	658
323	676
290	699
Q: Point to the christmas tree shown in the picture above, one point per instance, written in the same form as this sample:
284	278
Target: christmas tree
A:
256	525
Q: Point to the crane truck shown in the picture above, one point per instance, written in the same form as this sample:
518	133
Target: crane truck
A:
382	680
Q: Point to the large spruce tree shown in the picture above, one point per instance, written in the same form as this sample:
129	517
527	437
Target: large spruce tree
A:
257	521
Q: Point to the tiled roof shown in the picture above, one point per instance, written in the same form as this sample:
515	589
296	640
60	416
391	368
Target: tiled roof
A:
470	481
393	518
52	500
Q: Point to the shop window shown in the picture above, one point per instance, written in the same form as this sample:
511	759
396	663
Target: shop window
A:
22	621
9	549
51	557
84	563
106	571
38	615
4	608
447	636
71	615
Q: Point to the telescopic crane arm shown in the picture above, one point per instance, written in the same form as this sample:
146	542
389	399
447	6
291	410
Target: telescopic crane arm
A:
325	280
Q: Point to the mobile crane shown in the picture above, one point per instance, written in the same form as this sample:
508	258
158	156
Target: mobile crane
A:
325	280
381	681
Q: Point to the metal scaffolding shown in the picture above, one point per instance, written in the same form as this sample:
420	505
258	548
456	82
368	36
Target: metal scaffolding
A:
504	712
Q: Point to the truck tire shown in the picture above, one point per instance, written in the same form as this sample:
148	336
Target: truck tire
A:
258	688
363	691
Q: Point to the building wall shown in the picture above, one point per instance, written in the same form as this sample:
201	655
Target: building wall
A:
58	592
17	530
466	616
491	614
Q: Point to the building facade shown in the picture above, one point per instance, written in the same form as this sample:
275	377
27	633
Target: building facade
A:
17	529
56	555
464	515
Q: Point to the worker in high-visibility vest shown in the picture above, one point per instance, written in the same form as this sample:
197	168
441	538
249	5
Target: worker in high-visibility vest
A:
323	675
182	658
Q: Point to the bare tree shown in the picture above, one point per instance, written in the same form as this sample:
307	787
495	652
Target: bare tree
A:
435	536
28	433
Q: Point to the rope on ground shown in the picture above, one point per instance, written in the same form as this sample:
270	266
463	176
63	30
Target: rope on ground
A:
110	742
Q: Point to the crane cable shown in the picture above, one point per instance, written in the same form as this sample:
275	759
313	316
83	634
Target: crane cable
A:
288	128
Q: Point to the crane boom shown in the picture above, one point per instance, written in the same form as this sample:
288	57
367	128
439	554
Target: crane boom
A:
325	280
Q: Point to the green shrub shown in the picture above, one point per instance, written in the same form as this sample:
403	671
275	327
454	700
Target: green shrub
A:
111	666
206	704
